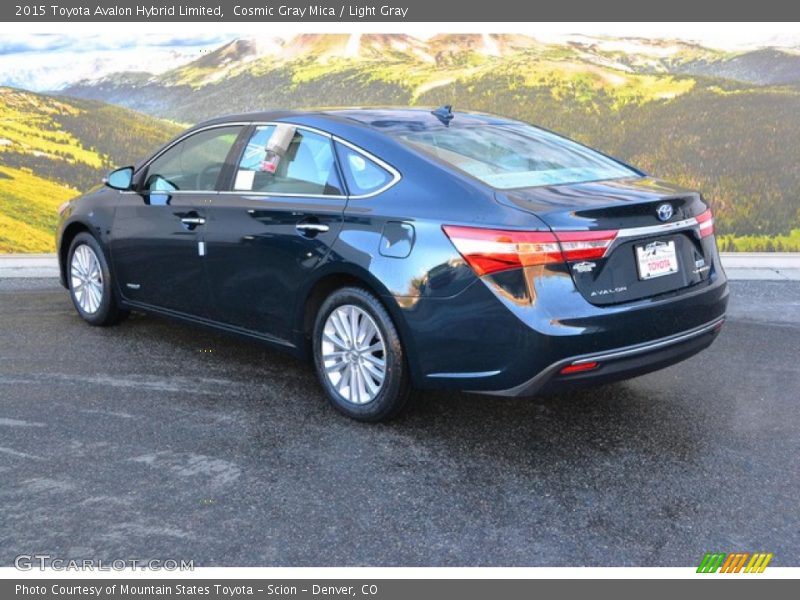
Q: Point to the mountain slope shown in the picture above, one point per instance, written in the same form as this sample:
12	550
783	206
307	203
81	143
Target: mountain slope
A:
738	142
313	70
740	148
768	66
52	147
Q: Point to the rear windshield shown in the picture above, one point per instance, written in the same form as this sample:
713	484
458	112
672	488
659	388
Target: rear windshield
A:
515	155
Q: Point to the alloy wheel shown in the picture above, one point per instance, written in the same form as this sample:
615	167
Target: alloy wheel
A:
86	279
353	354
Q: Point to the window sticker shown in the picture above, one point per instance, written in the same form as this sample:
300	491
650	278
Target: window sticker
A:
244	179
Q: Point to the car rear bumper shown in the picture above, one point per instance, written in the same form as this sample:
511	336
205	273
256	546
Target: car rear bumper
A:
620	363
488	340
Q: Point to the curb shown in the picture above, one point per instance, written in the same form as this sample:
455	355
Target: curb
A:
759	266
28	266
767	266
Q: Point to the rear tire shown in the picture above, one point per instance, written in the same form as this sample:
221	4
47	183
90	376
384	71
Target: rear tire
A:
90	284
359	358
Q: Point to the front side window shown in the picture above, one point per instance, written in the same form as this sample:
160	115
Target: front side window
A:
284	159
515	155
193	164
363	176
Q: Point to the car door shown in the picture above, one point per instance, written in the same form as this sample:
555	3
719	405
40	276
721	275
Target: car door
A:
157	239
277	222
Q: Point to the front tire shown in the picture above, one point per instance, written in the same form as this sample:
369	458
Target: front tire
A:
90	284
359	357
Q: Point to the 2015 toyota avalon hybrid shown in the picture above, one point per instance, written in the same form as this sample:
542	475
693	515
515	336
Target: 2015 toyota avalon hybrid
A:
404	248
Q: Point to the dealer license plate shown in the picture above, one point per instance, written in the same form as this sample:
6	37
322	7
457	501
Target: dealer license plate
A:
656	259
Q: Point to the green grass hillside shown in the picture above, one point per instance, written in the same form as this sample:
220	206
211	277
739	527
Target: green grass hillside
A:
53	148
741	149
28	210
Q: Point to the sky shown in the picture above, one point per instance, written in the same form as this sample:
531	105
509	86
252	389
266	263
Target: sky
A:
50	56
43	61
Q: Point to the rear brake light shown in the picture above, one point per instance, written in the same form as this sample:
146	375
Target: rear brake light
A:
706	223
492	250
585	245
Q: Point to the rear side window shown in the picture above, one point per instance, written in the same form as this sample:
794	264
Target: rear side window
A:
283	159
362	175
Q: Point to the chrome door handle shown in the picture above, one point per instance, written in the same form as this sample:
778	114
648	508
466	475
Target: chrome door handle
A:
193	221
312	227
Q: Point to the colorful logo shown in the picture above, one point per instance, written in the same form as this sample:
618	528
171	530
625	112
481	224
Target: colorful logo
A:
734	562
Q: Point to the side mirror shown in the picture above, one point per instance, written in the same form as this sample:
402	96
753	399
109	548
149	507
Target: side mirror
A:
121	179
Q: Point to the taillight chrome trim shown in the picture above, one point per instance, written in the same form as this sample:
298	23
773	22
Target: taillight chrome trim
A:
656	229
650	230
647	229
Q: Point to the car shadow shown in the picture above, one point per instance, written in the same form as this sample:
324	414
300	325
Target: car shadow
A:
640	416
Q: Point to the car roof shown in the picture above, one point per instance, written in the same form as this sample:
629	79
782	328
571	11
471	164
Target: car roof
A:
388	120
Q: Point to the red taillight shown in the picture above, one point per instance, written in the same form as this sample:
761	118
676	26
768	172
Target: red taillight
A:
580	367
585	245
706	222
491	250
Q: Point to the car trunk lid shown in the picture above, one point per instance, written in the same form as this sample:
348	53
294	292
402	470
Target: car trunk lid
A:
660	235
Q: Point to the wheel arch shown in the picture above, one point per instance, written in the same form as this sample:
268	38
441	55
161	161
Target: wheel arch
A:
69	234
71	231
336	277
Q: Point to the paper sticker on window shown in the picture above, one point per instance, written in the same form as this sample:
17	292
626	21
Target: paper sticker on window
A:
244	180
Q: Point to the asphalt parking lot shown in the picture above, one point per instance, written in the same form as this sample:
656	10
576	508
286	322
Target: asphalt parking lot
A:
157	440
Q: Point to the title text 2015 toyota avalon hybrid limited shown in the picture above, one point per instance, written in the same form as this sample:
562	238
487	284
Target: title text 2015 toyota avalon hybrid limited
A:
404	249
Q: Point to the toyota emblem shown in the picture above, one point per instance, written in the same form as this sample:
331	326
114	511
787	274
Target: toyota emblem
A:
664	212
